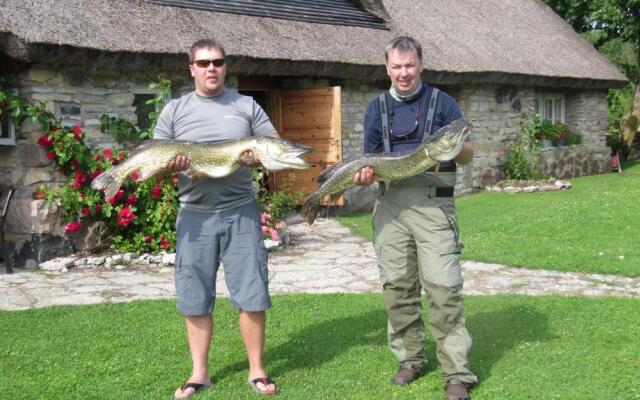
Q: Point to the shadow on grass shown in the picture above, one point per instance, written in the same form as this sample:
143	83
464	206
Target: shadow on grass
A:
322	342
497	332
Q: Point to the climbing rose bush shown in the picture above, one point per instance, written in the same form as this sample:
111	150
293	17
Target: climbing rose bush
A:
141	215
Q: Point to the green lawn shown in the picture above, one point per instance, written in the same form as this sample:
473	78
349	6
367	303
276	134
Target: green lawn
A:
592	227
322	347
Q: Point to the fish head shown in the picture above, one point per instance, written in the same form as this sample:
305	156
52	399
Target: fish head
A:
278	154
448	140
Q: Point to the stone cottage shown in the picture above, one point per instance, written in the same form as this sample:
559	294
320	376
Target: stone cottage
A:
312	65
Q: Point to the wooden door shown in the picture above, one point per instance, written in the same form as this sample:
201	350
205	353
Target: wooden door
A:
311	117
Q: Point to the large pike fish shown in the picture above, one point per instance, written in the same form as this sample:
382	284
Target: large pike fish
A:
443	146
214	159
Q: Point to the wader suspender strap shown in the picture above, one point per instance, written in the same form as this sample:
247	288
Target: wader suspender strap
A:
385	123
432	109
385	118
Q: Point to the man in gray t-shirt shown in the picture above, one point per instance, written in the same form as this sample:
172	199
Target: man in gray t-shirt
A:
218	218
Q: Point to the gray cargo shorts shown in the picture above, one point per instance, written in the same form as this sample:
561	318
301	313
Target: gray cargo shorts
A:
204	239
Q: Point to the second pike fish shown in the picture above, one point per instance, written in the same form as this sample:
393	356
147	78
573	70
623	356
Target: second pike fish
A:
443	146
214	159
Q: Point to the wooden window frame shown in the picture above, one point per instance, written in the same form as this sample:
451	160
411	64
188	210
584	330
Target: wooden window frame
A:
556	115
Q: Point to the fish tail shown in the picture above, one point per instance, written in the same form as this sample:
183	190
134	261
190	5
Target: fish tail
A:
310	208
107	182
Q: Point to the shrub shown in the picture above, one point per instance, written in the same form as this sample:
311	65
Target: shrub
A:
275	207
520	158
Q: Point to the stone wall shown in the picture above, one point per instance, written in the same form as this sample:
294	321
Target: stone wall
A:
78	96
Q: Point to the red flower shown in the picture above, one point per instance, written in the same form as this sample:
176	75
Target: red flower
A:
75	164
164	243
45	141
73	227
85	211
156	191
125	216
96	173
51	155
98	208
174	179
80	178
77	132
108	154
117	197
135	175
132	199
148	239
120	156
96	156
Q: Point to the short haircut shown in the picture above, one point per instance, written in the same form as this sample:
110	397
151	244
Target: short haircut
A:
204	44
403	43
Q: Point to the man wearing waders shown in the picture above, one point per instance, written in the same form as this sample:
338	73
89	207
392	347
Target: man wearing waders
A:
416	235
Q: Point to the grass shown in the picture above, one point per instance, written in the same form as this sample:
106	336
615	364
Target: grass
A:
592	227
322	347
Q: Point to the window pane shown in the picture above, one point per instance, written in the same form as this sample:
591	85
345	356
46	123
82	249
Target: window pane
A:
143	109
557	116
536	106
548	111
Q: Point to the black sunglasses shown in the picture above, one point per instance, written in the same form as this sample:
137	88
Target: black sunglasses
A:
217	62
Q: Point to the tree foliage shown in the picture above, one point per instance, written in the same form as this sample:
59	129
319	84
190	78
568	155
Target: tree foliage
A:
613	27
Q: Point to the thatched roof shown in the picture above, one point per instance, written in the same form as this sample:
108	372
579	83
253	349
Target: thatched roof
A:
511	41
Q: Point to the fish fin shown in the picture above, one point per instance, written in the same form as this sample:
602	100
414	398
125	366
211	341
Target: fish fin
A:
107	183
328	172
310	208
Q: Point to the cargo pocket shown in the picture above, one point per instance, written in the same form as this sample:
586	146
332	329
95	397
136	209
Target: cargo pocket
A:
445	261
455	246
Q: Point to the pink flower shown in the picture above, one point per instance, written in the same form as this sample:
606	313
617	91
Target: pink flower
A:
156	191
45	141
132	199
281	225
73	227
135	175
264	218
274	234
265	229
85	211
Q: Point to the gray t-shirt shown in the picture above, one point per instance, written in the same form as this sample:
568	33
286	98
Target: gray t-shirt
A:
225	117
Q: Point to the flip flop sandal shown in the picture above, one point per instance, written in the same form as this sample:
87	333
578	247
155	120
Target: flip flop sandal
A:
197	387
265	381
